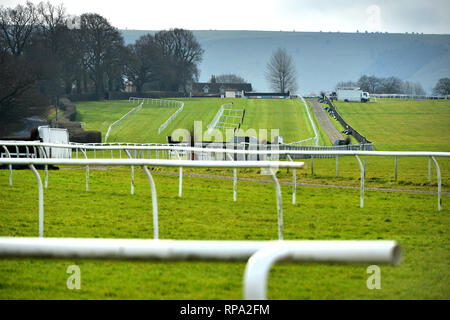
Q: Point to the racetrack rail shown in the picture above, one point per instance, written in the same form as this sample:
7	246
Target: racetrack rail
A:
324	121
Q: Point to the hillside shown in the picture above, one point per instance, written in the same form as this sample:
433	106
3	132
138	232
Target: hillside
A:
323	58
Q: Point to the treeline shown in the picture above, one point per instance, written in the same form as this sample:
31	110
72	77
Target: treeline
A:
389	85
46	53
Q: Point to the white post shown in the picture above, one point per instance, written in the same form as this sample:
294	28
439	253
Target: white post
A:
41	200
87	170
429	170
438	173
132	172
337	166
154	203
363	174
46	166
396	166
294	182
180	184
10	166
279	204
234	179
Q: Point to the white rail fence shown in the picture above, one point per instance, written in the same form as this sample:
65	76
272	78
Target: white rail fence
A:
316	134
171	118
261	255
220	154
156	102
216	119
31	162
117	122
408	96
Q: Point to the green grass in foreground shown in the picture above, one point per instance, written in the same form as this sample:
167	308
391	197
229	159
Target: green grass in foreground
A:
207	212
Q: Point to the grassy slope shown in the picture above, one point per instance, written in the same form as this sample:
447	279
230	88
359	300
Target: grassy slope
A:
394	124
206	212
288	116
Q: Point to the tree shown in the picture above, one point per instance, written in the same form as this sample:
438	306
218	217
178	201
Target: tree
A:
230	78
144	63
368	84
181	50
346	84
16	26
281	72
101	42
442	87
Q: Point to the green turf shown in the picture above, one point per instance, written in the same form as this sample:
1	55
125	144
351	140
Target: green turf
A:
396	124
207	212
288	116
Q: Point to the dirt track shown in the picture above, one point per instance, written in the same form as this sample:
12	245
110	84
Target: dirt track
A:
324	121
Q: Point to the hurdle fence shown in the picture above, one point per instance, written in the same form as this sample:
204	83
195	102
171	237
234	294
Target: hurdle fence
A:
220	155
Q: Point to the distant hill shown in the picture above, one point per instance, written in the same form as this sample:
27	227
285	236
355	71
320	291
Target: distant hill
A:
323	58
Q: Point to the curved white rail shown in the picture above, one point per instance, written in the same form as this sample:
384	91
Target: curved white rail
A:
258	266
135	109
230	150
171	118
216	119
316	134
262	254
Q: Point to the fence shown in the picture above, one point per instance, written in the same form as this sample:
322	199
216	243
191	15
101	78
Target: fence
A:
361	139
216	119
160	102
261	255
219	153
117	122
408	96
316	134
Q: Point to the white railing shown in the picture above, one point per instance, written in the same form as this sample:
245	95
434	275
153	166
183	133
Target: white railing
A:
261	255
316	134
171	118
218	151
216	119
408	96
117	122
31	162
164	103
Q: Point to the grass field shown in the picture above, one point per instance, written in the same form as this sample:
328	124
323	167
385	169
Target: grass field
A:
207	211
289	116
396	124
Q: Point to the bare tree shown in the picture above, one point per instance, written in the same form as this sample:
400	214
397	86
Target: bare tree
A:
442	87
16	26
230	78
281	72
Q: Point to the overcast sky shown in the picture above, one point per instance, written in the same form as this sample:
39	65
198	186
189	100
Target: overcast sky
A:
400	16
